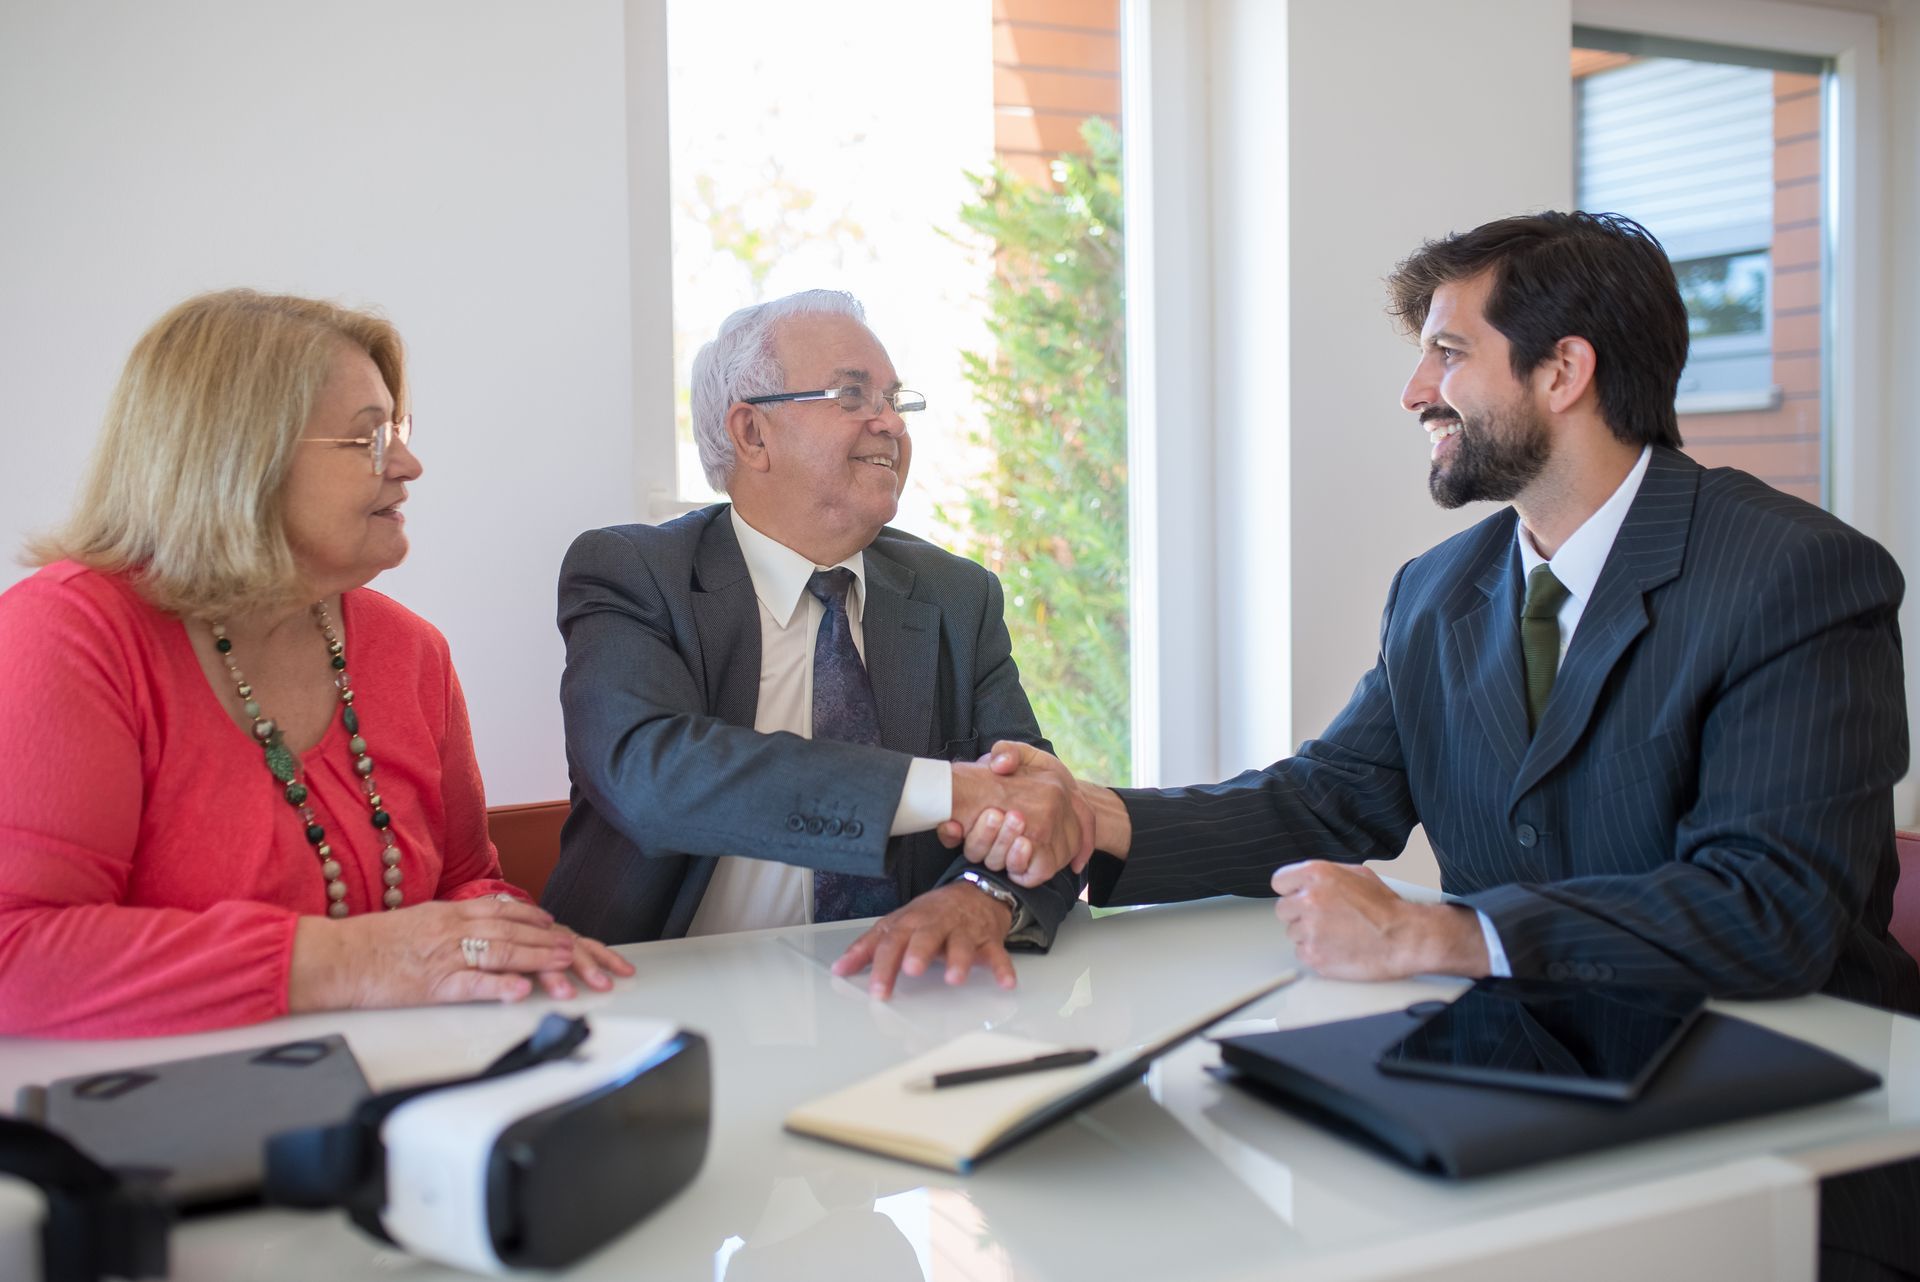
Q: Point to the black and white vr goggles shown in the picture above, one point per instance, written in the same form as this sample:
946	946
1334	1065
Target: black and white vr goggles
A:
556	1148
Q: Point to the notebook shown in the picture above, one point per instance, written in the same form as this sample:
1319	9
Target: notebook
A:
956	1128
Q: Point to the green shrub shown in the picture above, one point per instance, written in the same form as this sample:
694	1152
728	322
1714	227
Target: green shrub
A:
1050	515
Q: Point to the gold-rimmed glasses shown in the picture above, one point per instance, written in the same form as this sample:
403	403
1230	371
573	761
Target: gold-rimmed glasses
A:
852	398
377	444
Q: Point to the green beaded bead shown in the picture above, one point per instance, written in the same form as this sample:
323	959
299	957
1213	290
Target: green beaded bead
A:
223	645
315	834
296	794
351	720
381	819
356	745
339	662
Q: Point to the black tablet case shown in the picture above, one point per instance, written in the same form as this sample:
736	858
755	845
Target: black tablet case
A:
199	1126
1724	1070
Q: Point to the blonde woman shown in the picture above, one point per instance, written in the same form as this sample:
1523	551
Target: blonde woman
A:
240	783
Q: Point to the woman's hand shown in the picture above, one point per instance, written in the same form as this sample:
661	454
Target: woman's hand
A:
415	956
591	962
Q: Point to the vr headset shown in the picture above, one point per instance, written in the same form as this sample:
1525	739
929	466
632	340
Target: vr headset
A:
99	1223
557	1147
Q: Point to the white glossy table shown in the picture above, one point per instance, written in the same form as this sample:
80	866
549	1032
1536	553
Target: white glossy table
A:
1179	1178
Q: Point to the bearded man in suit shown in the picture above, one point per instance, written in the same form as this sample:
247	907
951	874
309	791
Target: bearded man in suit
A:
1650	715
771	703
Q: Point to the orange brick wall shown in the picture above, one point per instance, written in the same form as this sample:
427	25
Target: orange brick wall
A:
1782	446
1055	62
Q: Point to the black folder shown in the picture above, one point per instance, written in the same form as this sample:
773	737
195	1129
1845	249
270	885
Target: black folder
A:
1726	1069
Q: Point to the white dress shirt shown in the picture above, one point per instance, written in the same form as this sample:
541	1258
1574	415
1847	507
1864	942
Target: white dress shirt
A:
1577	565
753	894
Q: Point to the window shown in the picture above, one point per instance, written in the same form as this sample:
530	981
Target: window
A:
982	230
1718	153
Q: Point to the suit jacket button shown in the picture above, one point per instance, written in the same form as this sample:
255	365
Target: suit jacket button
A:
1526	835
1556	970
1585	973
833	827
1603	972
796	824
816	825
853	828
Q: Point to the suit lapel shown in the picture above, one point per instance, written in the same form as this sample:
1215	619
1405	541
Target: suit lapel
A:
727	621
1487	639
1648	551
903	652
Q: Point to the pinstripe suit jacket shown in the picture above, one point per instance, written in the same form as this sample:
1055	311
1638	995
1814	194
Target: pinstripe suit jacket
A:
1708	798
660	691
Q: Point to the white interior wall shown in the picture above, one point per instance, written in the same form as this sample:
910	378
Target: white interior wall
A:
1449	116
1341	136
459	163
1902	303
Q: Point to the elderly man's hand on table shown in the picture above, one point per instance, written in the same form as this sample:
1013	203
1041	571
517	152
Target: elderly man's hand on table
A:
956	924
1348	924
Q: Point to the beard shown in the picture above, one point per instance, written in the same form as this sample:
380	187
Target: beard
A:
1494	456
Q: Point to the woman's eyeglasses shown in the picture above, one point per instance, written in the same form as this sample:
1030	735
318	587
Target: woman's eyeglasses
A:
377	445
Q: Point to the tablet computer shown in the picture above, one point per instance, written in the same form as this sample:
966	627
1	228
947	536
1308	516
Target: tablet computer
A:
198	1127
1604	1042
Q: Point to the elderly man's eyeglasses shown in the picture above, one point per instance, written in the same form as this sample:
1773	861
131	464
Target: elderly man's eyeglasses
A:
854	399
377	445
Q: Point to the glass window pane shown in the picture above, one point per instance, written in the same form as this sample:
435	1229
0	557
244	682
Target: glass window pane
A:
972	202
1723	163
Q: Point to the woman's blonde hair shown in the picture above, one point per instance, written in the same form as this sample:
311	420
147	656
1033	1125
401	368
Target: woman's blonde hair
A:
186	492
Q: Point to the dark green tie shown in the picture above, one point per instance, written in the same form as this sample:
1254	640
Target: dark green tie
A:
1540	639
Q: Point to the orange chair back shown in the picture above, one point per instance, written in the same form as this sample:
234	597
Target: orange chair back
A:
1906	895
528	839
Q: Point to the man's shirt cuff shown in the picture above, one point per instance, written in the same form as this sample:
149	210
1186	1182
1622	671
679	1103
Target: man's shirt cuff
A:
1497	964
926	799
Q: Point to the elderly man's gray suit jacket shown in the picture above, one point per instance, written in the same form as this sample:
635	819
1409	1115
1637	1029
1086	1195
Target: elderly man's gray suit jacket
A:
662	682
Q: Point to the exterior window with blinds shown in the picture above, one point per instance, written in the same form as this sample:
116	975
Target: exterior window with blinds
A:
1719	154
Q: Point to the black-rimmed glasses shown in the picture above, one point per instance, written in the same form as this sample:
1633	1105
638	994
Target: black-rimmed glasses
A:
377	444
853	398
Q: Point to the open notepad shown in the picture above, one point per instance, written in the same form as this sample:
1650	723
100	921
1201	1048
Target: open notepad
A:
957	1127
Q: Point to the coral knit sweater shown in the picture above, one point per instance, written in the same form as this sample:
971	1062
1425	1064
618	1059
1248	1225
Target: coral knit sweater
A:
151	873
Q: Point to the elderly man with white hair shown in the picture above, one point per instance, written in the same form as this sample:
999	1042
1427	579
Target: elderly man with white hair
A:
772	703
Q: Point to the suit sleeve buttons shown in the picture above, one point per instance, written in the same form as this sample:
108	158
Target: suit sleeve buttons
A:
816	825
795	823
854	828
1526	835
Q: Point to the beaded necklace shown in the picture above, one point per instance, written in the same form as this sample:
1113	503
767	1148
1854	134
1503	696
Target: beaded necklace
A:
285	767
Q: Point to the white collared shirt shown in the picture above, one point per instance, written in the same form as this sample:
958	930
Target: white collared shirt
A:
1581	558
1577	565
752	894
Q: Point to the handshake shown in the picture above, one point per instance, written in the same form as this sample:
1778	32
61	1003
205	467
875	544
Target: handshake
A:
1019	811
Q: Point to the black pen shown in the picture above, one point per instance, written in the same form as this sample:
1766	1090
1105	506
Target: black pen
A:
989	1072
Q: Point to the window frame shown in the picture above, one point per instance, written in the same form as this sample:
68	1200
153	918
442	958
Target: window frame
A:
1854	353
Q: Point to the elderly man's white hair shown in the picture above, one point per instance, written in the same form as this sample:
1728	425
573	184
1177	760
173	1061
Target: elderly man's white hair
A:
740	362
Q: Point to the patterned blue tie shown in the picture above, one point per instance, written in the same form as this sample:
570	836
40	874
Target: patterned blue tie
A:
843	709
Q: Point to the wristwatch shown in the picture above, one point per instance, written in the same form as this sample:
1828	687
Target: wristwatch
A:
1022	918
